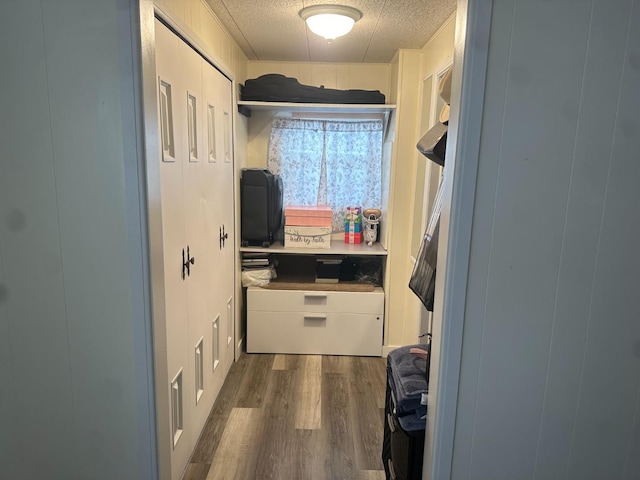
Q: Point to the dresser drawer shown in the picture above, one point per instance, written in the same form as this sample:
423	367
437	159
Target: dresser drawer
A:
266	300
314	333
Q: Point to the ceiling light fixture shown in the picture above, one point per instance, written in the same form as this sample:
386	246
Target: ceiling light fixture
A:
330	21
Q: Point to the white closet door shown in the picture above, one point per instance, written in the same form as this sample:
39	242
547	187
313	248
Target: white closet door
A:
198	223
226	179
229	212
172	114
217	368
197	237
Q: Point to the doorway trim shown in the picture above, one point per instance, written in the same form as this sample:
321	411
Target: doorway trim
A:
473	22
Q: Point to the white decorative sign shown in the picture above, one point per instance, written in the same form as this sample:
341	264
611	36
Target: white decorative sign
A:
307	237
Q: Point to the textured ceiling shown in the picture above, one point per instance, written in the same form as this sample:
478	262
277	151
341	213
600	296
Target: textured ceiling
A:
272	30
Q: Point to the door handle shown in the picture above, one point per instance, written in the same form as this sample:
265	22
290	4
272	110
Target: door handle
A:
186	263
223	237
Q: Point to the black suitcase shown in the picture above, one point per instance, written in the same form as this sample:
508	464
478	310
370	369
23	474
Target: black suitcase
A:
260	206
402	450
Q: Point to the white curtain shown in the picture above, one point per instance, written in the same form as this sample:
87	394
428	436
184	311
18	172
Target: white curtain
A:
328	162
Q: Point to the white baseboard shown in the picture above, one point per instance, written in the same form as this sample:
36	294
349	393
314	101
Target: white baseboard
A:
387	348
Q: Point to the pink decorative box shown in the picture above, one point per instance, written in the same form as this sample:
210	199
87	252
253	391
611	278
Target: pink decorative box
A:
307	221
319	216
323	211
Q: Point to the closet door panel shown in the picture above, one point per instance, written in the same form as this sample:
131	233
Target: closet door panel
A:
173	225
226	196
213	220
229	225
194	194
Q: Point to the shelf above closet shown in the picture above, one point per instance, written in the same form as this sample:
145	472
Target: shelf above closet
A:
322	110
315	107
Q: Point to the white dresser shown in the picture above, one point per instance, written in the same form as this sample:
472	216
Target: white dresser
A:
315	322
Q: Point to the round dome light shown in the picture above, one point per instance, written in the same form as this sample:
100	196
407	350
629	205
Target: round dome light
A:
330	21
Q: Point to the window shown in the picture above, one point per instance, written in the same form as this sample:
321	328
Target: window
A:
328	162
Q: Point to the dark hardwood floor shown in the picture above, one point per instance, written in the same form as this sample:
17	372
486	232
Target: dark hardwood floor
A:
295	417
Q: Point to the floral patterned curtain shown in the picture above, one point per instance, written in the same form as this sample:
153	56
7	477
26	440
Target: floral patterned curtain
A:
328	162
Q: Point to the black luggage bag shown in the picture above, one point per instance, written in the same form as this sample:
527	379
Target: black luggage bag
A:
261	206
274	87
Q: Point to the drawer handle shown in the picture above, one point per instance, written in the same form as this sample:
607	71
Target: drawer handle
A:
315	297
320	318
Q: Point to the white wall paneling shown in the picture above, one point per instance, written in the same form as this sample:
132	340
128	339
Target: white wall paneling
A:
29	235
74	362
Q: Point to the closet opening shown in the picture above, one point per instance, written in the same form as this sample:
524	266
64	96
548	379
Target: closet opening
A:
457	223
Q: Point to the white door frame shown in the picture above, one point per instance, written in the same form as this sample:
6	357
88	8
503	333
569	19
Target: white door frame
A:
473	21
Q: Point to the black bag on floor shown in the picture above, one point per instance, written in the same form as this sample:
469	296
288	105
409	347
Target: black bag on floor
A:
274	87
260	207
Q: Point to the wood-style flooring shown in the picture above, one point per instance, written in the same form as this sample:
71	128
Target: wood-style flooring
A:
295	417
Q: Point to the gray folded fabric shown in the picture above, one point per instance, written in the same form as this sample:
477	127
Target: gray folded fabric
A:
406	405
414	421
408	379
